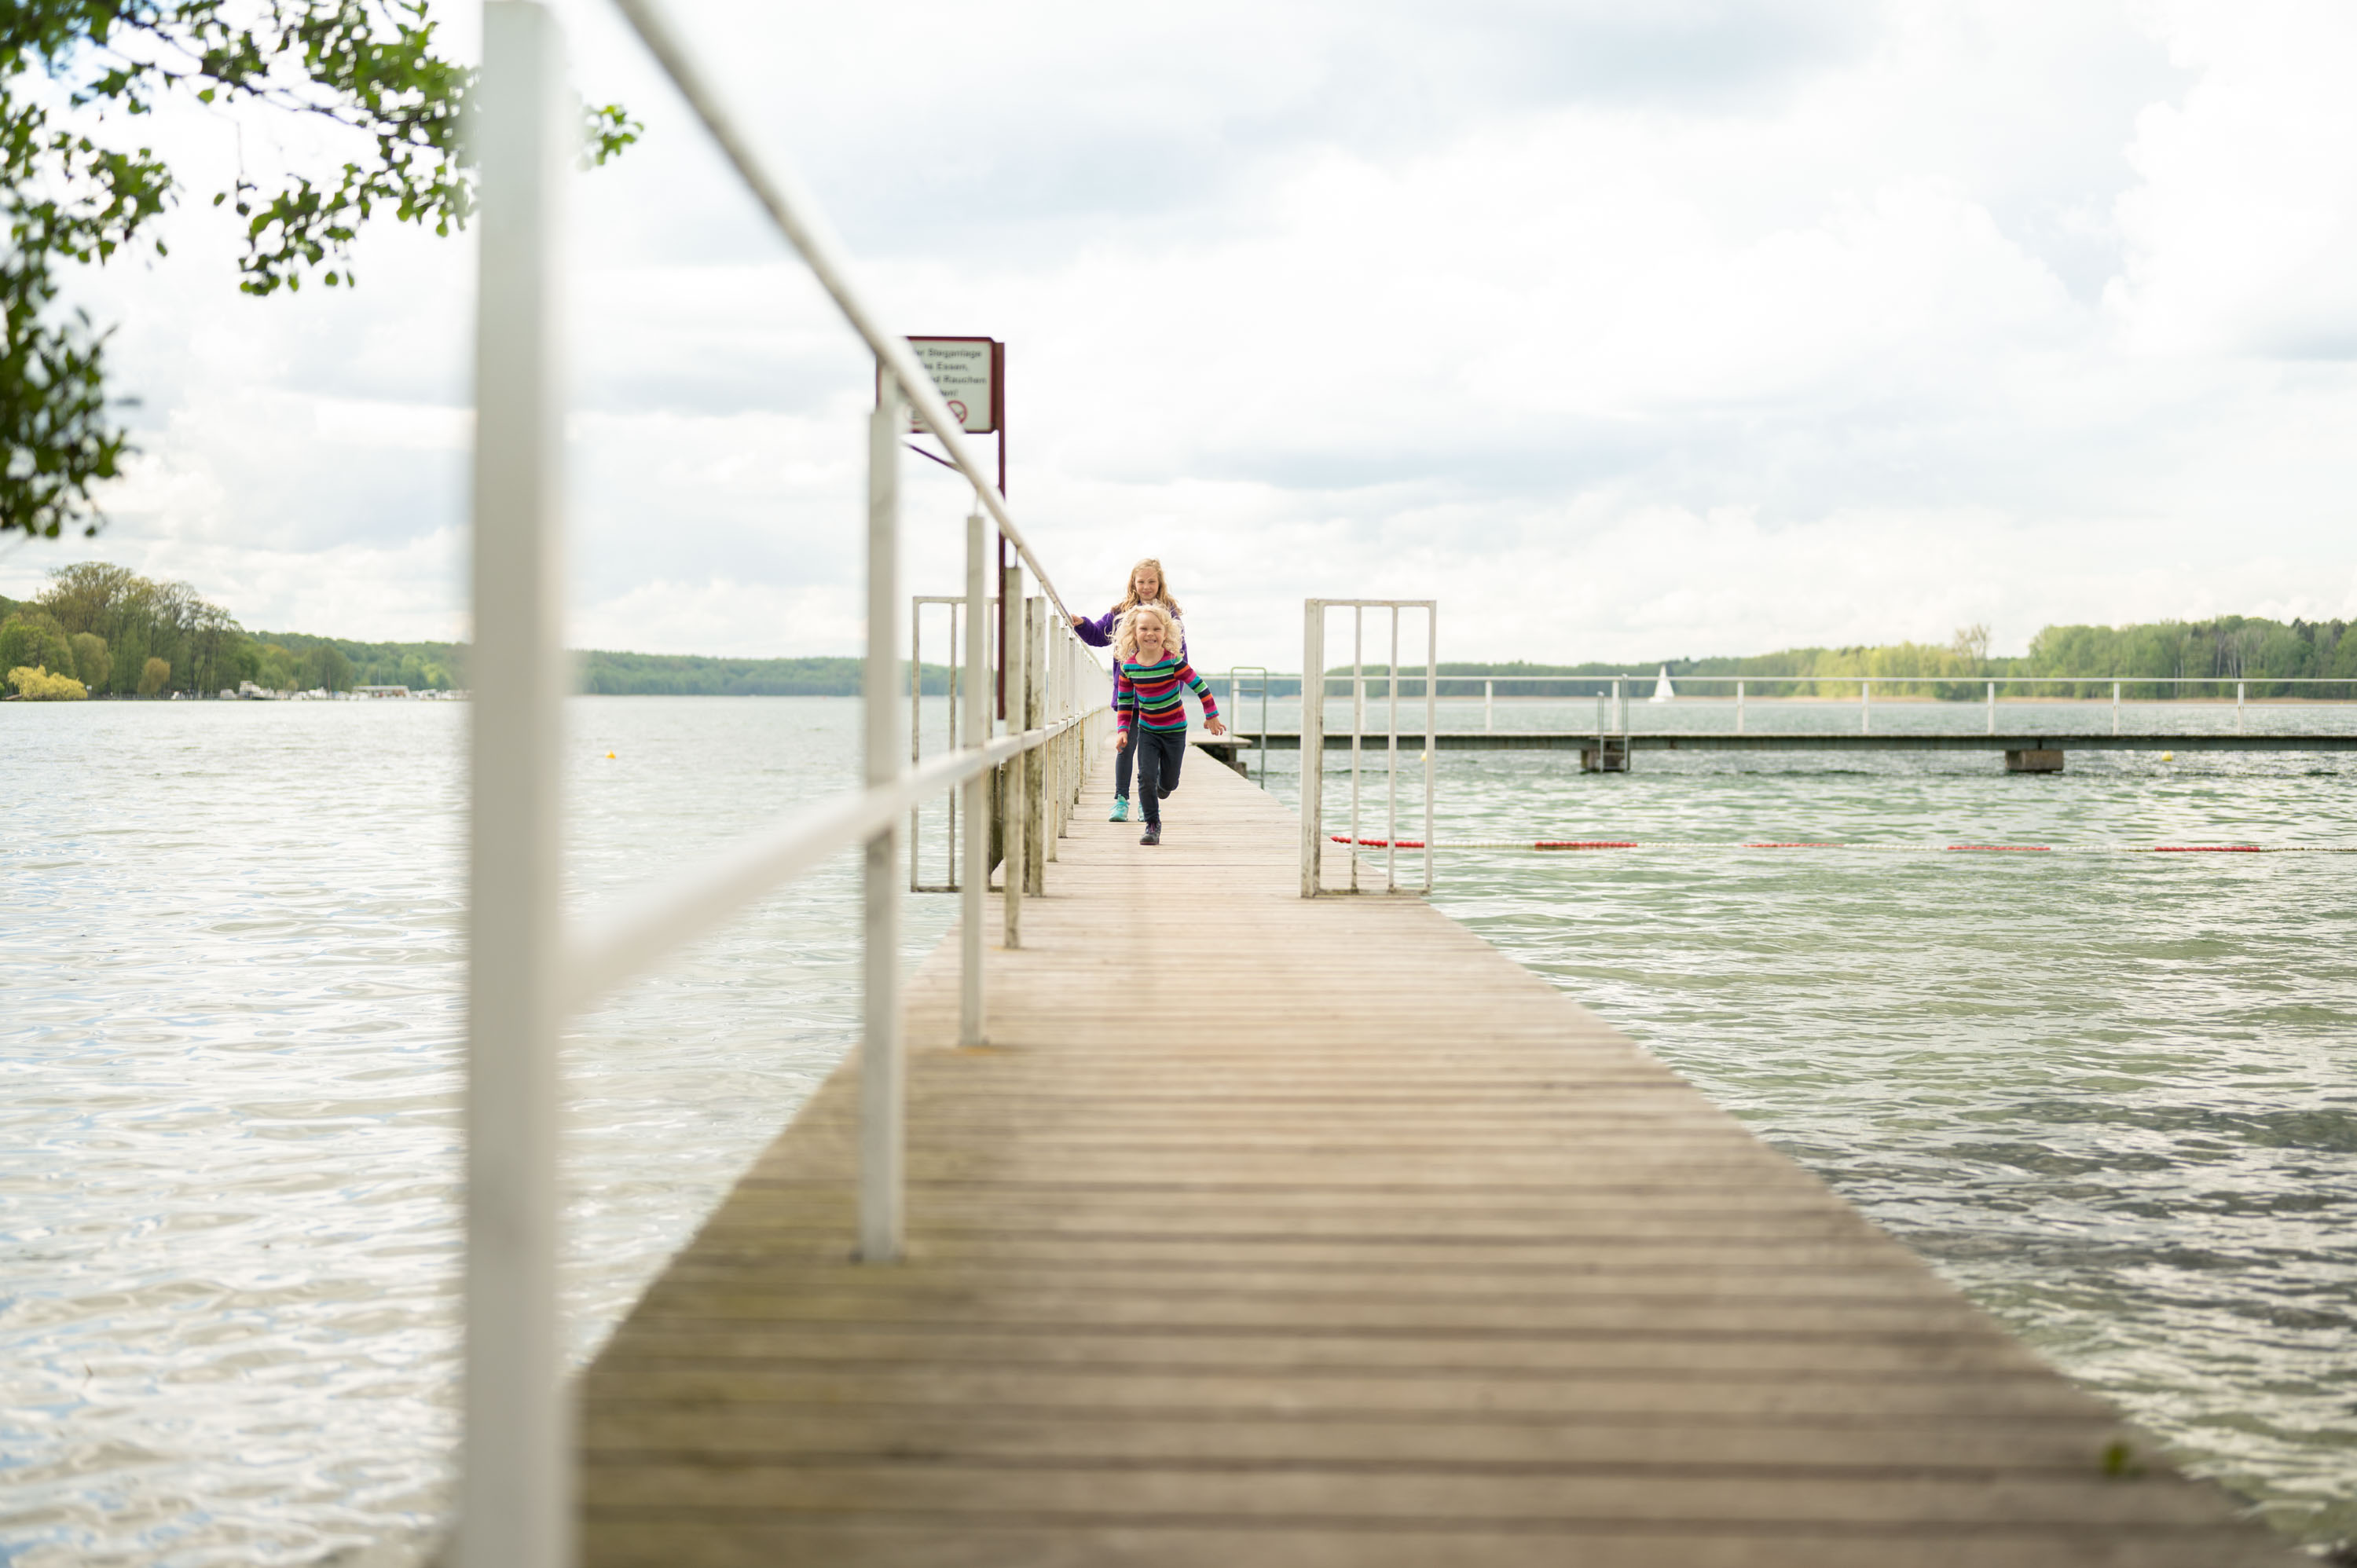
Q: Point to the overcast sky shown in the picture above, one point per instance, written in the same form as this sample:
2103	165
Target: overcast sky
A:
1625	330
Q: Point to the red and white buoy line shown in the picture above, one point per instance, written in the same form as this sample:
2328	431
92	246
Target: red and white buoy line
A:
1559	845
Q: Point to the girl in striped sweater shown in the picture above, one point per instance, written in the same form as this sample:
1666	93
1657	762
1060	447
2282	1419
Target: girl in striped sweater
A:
1146	585
1149	669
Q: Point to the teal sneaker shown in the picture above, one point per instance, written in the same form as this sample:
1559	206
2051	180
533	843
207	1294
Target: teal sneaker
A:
1120	808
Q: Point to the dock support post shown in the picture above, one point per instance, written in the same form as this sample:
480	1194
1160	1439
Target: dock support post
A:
882	1090
515	1492
977	848
1313	745
1010	790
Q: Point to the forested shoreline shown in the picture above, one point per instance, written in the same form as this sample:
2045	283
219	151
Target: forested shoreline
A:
2147	657
104	630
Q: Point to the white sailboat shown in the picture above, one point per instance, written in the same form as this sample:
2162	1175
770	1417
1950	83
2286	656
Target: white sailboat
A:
1662	691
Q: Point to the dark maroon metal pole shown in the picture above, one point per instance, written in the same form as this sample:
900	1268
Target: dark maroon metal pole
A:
998	402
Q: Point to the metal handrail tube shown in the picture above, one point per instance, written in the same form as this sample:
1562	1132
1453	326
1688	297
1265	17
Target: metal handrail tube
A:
612	949
1795	679
526	967
799	218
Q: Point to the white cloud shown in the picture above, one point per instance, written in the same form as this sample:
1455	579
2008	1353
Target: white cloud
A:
1700	328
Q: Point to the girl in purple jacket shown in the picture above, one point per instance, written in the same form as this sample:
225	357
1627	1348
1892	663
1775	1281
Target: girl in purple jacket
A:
1146	586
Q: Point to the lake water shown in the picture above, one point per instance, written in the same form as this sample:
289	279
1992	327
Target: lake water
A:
2114	1097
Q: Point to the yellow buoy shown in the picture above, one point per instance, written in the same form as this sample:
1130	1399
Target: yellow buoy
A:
610	756
2168	757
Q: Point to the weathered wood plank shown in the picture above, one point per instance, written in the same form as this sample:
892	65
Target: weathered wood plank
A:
1333	1238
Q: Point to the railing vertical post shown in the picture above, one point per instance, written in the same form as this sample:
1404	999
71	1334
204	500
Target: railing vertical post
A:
1739	707
916	728
1864	704
1432	731
1391	771
975	886
1313	746
1035	776
1488	704
950	840
1051	680
1992	707
882	1089
2238	707
1358	724
2115	707
515	1505
1010	790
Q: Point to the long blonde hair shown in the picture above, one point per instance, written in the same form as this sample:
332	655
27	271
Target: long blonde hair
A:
1125	636
1129	589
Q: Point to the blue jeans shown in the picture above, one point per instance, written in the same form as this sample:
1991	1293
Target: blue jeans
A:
1160	753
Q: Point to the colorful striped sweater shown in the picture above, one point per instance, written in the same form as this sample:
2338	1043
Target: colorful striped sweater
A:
1147	695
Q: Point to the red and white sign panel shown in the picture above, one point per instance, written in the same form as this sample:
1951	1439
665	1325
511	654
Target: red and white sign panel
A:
968	370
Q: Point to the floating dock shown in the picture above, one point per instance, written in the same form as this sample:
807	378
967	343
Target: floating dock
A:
1318	1234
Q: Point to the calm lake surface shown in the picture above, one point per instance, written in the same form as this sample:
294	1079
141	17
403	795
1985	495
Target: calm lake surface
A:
2114	1097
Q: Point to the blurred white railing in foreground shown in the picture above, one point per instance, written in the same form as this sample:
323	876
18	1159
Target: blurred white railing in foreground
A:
527	968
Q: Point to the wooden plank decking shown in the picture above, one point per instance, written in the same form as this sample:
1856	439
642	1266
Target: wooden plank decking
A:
1269	1231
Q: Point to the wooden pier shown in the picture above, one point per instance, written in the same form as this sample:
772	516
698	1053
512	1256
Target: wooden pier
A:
1269	1230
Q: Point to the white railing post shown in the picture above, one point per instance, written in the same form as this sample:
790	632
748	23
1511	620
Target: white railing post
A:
1432	732
977	884
1391	771
1313	746
2115	707
882	1086
1358	724
1992	707
1011	856
515	1501
1865	706
1488	704
1034	773
2238	707
1739	707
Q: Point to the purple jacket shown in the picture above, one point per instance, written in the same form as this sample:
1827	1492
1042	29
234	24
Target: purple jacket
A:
1098	633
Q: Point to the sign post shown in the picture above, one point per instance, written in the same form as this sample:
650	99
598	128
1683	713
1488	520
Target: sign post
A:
971	375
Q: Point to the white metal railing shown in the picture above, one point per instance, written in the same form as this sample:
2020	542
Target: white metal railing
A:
528	966
1313	738
1613	701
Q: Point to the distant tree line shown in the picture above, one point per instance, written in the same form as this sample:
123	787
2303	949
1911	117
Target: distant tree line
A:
119	634
2264	655
609	675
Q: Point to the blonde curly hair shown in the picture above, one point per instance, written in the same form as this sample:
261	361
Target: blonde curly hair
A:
1129	587
1125	636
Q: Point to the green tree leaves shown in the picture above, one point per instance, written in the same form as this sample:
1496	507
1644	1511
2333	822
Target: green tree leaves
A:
370	67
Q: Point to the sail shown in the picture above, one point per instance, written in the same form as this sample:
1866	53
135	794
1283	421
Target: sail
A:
1662	691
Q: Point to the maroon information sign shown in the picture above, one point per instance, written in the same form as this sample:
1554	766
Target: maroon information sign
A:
971	375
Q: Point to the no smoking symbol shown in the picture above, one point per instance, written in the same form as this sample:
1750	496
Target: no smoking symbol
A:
959	408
